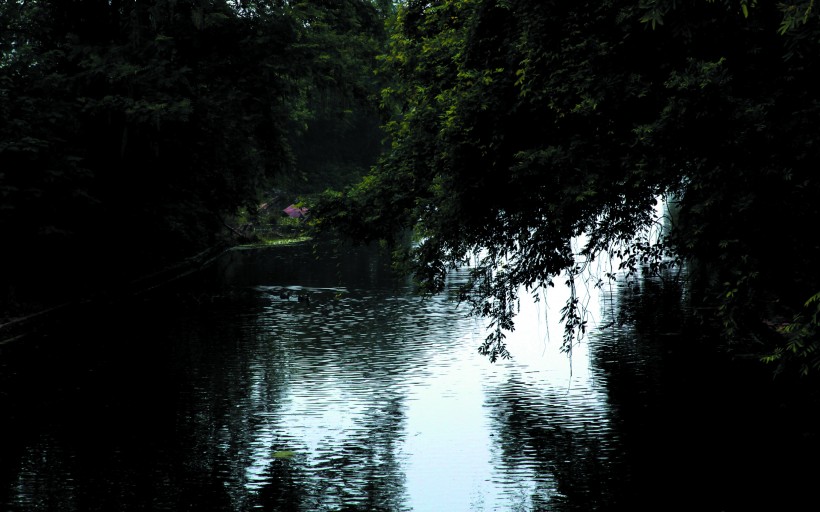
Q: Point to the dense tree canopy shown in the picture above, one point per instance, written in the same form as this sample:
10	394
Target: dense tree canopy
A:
131	130
519	125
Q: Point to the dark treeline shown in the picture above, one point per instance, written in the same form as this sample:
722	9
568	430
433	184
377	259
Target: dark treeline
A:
132	131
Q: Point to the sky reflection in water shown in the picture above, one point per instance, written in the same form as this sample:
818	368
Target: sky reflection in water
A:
366	398
393	387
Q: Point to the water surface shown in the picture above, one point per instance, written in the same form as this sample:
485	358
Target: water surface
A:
238	397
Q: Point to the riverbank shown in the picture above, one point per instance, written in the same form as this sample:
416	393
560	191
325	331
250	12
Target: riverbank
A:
21	319
18	319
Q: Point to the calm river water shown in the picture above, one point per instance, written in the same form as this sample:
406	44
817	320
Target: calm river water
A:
232	398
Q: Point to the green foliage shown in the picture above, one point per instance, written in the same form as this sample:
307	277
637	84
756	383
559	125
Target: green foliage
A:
130	131
517	126
801	351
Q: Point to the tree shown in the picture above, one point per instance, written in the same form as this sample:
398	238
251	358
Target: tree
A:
520	125
337	136
131	131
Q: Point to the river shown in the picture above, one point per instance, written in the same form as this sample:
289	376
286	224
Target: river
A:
226	394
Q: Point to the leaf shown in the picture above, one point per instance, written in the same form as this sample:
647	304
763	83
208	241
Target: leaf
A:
283	454
814	298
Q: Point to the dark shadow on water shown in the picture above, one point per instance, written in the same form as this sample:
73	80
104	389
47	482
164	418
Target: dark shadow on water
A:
578	467
701	429
157	403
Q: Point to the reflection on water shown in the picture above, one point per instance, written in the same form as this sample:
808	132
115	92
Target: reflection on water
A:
364	398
